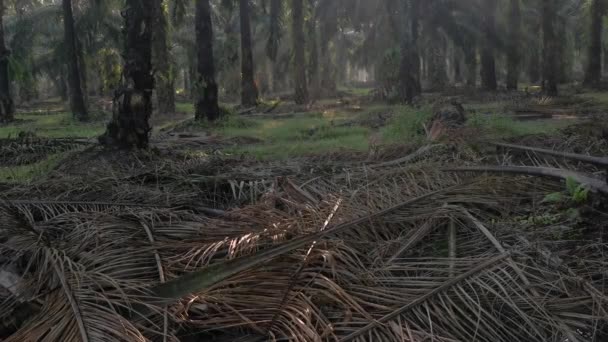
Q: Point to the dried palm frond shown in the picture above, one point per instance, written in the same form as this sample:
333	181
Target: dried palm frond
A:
321	251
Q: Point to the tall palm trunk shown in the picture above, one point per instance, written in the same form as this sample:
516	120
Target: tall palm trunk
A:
274	38
514	45
470	59
301	91
409	69
488	58
76	75
249	90
550	48
206	92
593	75
165	78
313	60
329	30
130	125
415	54
7	107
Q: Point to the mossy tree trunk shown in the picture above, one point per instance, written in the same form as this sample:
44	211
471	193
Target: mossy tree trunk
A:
249	90
130	125
7	107
301	90
77	88
205	87
164	75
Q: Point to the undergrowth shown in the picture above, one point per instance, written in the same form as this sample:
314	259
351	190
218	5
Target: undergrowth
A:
55	125
26	173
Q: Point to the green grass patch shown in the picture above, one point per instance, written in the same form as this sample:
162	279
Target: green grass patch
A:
58	125
351	142
27	173
406	125
598	97
184	107
283	138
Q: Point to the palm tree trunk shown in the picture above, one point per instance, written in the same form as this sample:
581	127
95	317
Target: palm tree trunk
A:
249	90
438	77
7	107
78	103
514	45
409	69
470	59
593	75
130	125
165	78
301	91
206	91
415	55
313	61
488	59
550	48
329	29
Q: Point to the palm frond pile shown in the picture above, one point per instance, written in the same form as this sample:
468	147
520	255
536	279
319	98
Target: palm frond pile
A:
349	252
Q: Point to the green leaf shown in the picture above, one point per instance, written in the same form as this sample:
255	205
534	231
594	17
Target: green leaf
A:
571	185
581	195
556	197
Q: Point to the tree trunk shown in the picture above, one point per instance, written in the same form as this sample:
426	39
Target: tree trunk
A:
78	103
409	68
535	64
438	77
301	91
415	54
206	91
488	59
249	90
164	75
130	125
514	46
313	61
550	48
470	59
593	76
329	29
7	107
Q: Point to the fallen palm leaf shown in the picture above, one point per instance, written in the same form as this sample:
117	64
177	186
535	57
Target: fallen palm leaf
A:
594	184
599	161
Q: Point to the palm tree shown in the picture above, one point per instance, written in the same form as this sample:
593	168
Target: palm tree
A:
409	69
165	79
75	73
249	90
130	125
7	107
328	13
301	90
593	76
514	44
550	48
488	61
206	94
